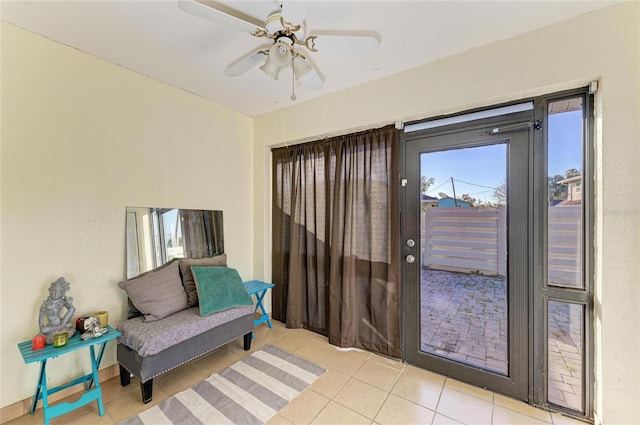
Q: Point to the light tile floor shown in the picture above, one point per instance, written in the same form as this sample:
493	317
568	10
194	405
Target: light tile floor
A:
358	388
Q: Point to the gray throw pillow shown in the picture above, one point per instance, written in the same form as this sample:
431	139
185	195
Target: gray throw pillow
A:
187	275
157	293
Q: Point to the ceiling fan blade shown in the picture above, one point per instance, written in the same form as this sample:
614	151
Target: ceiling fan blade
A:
295	11
346	43
312	79
244	64
209	13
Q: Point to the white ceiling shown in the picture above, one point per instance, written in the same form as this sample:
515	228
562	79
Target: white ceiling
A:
158	39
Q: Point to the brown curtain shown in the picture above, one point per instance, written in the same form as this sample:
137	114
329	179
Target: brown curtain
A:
336	239
201	232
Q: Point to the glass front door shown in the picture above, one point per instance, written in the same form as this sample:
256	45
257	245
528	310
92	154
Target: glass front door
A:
466	223
497	227
463	261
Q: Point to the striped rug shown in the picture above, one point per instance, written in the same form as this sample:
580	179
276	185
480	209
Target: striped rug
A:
250	391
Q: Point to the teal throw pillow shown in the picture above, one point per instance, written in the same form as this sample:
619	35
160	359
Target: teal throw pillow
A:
219	288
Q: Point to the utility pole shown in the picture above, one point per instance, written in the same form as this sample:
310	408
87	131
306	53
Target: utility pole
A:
455	200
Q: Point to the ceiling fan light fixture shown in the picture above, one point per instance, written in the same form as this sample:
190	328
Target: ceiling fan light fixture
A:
286	30
270	69
280	54
300	67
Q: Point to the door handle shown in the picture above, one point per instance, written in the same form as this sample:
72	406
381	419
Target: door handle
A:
410	259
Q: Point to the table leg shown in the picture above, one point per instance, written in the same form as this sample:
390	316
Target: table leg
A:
42	384
95	363
255	322
44	395
99	361
260	297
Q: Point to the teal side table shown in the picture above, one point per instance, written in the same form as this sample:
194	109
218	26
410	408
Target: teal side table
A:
259	289
42	391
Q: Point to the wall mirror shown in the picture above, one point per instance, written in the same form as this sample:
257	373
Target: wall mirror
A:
155	236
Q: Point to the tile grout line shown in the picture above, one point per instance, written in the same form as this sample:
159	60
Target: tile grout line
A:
330	399
493	405
353	377
444	383
388	392
321	410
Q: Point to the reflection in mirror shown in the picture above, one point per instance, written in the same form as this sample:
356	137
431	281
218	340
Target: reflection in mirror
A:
155	236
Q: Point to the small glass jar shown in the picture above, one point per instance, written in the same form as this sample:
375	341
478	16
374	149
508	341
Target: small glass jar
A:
61	339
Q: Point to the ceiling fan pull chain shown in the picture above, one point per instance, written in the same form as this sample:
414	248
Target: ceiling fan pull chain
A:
293	79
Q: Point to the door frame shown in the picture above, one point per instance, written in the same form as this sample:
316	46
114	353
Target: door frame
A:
542	291
538	292
519	132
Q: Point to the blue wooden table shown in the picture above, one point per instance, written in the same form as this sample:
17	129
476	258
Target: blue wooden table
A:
259	289
42	391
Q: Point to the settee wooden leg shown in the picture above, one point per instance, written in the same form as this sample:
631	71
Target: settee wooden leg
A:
247	341
147	391
125	376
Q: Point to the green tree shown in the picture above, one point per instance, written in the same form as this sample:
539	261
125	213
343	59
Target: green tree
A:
500	193
571	172
471	200
557	190
425	183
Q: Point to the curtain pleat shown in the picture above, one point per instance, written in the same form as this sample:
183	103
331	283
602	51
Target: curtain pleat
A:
200	230
336	239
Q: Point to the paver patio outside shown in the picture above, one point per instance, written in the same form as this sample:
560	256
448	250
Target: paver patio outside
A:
565	355
464	317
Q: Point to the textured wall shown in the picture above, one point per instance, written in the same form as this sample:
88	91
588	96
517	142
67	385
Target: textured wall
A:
81	140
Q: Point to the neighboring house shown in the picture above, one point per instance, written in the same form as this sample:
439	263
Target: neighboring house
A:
428	201
452	203
574	191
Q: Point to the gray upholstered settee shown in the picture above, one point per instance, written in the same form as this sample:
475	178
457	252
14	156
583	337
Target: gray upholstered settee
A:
165	328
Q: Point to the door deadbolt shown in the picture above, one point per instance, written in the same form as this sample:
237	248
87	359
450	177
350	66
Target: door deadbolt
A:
411	243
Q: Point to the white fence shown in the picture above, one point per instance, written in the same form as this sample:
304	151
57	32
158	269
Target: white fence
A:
465	240
565	246
474	240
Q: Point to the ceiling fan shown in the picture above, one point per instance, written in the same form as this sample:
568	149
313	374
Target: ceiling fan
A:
285	29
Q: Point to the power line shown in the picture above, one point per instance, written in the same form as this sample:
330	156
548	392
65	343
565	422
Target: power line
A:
474	184
438	187
477	193
461	181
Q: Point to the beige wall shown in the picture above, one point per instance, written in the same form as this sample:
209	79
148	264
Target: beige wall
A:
603	46
81	140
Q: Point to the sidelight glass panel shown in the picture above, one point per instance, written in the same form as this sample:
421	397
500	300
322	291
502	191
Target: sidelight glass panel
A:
565	354
463	292
565	213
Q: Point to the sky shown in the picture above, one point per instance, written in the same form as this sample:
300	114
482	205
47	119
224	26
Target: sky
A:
478	171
